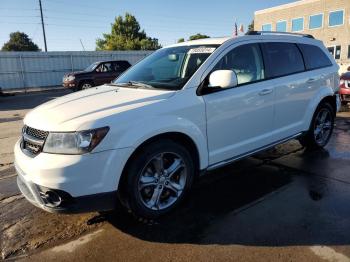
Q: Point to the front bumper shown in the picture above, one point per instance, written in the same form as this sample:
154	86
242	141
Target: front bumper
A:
82	183
71	84
58	201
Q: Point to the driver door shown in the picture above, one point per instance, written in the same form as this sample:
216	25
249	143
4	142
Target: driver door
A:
240	119
103	74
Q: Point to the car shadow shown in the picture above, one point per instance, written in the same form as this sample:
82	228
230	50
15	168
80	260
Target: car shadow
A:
213	197
254	202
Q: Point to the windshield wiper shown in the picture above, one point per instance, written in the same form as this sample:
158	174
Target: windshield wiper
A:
133	84
140	84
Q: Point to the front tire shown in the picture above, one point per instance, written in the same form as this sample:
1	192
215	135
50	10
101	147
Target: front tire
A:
321	127
158	178
85	85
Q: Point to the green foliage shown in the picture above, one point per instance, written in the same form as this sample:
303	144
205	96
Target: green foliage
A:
19	42
251	26
126	34
181	40
198	36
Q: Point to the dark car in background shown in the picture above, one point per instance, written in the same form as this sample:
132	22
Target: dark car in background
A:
98	73
344	88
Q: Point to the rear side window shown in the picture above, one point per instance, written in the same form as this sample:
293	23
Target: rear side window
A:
314	57
282	59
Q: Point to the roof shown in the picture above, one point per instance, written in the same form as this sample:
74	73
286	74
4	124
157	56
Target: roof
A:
280	7
204	41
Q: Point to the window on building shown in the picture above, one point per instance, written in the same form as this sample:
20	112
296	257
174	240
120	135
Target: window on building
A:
331	50
316	21
314	57
291	63
281	26
336	18
297	24
337	52
266	27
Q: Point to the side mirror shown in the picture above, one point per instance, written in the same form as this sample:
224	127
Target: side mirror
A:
223	79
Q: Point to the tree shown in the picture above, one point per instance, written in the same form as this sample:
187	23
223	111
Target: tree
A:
251	26
181	40
19	42
126	34
198	36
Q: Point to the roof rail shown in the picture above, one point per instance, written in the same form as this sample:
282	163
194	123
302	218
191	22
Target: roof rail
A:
277	33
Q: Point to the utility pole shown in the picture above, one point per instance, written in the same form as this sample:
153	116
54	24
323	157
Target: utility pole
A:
42	24
81	42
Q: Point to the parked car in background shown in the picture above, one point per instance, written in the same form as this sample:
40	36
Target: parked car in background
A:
98	73
183	110
344	88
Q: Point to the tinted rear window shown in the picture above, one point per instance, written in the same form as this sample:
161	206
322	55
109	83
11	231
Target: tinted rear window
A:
282	59
314	57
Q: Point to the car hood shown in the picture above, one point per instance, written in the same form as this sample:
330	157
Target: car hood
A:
71	112
77	73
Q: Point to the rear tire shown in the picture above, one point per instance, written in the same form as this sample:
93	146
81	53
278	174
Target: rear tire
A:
157	179
321	127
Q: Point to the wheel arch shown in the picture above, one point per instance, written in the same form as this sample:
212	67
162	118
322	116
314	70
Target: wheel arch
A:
178	137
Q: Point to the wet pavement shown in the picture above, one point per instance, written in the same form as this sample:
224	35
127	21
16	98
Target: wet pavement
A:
283	204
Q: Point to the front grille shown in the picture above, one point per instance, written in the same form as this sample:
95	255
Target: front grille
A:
33	140
36	133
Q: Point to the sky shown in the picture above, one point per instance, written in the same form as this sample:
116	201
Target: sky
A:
68	22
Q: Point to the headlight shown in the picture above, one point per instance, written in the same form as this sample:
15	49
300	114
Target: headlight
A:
342	81
70	78
74	143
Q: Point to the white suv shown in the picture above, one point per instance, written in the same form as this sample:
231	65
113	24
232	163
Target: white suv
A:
184	109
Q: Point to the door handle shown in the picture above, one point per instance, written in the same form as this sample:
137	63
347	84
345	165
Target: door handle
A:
310	80
265	92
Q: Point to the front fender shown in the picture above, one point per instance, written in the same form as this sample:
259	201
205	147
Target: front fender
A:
134	138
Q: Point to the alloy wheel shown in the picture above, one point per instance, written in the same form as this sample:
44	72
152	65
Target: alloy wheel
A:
162	181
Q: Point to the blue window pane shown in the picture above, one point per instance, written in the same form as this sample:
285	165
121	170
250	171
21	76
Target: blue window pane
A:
336	18
281	26
297	24
267	27
315	21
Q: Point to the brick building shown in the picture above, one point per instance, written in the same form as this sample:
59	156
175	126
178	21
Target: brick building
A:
327	20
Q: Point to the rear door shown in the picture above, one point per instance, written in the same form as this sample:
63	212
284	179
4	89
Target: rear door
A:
119	67
285	66
239	119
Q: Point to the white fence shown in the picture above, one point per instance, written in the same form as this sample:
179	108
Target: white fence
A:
39	69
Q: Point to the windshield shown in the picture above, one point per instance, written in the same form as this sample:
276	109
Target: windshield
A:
168	68
91	67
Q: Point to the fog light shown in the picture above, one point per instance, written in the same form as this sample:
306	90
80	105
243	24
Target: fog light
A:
51	198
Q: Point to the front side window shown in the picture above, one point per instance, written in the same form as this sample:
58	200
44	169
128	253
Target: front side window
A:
104	68
336	18
266	27
246	61
316	21
314	57
282	59
281	26
168	68
297	24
